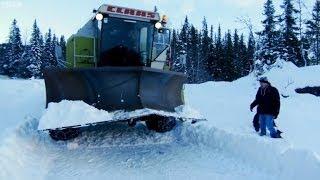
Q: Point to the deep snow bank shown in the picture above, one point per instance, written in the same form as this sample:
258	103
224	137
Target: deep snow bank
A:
289	77
276	157
226	104
20	99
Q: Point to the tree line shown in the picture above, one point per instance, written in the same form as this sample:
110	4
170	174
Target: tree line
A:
208	55
288	35
205	54
29	59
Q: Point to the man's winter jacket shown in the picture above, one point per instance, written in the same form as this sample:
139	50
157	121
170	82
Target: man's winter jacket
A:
268	101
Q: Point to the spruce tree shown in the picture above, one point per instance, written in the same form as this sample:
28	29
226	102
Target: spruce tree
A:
3	57
251	52
193	55
46	60
182	47
63	46
219	57
236	55
268	49
304	45
15	64
35	53
211	56
244	68
205	47
174	60
313	34
53	46
228	65
199	72
290	48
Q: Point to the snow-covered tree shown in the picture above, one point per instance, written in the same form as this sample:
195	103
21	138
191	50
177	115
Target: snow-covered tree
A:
245	65
290	46
193	55
269	37
15	51
174	59
63	46
236	54
3	58
35	53
218	56
211	56
181	49
313	33
228	65
204	55
49	51
205	64
304	45
47	55
54	48
251	51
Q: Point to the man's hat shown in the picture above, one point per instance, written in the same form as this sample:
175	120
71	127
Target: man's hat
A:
264	80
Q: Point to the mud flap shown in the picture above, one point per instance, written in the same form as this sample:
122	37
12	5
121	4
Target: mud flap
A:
116	88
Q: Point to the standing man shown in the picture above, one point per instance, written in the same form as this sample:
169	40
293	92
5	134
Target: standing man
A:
268	102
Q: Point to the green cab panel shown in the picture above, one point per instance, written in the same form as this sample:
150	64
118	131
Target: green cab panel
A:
81	51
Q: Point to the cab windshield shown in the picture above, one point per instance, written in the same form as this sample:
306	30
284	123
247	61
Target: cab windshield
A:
134	35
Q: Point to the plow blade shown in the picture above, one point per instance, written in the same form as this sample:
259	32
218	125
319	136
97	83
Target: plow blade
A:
116	88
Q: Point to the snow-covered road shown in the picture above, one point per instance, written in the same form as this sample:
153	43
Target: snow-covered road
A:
224	147
119	152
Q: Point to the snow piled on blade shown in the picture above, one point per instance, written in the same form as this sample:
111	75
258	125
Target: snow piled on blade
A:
71	113
78	113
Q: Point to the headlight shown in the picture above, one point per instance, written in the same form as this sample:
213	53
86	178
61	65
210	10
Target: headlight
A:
158	25
99	17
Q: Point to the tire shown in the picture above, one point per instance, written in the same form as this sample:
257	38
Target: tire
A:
160	124
64	134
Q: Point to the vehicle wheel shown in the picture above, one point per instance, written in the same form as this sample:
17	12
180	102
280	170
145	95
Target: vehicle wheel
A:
160	124
64	134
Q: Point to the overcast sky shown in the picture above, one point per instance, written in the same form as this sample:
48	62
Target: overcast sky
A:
66	16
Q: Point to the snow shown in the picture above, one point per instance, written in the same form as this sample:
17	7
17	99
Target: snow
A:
299	114
289	77
223	147
71	113
19	99
76	113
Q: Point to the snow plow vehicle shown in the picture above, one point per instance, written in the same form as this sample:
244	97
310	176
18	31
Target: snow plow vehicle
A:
119	60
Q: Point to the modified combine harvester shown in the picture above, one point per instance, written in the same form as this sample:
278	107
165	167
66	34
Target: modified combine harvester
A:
119	60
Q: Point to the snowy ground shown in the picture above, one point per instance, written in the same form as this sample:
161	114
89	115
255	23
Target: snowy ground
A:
224	147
